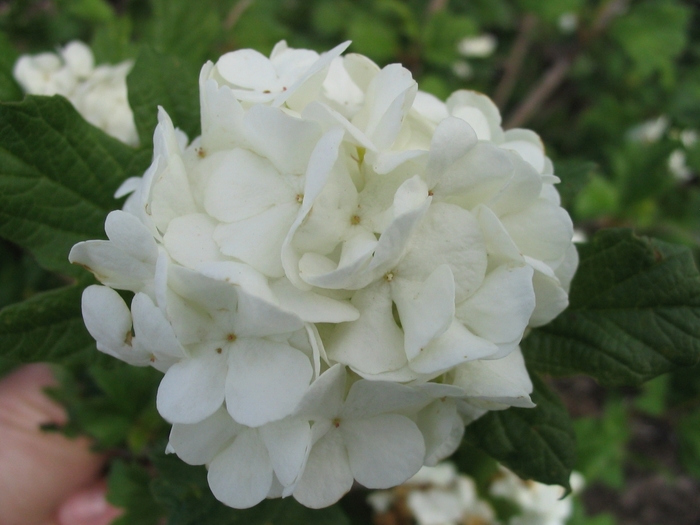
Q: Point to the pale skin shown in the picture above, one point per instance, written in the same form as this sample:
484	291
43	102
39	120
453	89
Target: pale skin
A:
45	478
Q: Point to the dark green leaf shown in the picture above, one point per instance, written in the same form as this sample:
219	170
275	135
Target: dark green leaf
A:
653	34
161	80
183	491
535	443
58	175
128	488
634	313
111	43
9	89
182	31
47	327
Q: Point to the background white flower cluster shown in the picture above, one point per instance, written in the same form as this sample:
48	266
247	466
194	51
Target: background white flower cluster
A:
334	277
440	495
99	93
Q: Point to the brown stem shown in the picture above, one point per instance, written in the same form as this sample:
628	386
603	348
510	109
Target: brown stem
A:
515	60
553	77
236	12
436	5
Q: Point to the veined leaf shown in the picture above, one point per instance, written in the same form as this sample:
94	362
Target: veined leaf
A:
535	443
634	313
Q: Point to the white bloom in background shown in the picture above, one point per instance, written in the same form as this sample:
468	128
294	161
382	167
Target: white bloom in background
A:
678	167
99	93
441	495
462	69
567	22
480	46
539	504
649	131
339	269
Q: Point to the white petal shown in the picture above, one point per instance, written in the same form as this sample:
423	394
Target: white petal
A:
154	335
193	389
287	443
447	235
520	191
551	297
384	451
455	346
426	309
189	240
373	343
222	115
503	381
306	88
245	185
442	429
389	97
108	320
528	145
241	475
566	270
499	246
500	309
266	381
258	240
543	231
477	176
197	444
327	475
324	397
248	69
130	235
312	307
479	111
452	139
370	398
111	266
286	141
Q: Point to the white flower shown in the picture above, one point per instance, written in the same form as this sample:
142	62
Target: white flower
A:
99	94
480	46
539	504
340	268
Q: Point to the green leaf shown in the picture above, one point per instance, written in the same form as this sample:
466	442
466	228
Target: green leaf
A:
184	492
653	34
58	175
185	31
9	89
373	37
601	445
653	397
48	327
128	488
633	313
575	175
689	437
112	41
162	80
89	10
535	443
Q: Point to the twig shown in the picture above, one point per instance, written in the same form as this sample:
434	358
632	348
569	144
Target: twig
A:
515	60
436	5
537	95
553	77
236	12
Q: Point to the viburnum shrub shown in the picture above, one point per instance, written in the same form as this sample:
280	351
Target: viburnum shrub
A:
334	277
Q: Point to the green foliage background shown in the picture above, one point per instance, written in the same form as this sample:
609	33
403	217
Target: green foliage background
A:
635	303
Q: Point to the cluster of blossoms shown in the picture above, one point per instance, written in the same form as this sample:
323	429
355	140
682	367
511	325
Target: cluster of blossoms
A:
334	277
441	496
99	93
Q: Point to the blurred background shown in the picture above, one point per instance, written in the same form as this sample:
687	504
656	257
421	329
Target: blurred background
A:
611	86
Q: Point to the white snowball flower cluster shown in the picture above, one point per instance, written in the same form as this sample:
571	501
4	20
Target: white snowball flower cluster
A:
99	93
539	504
334	277
436	495
442	496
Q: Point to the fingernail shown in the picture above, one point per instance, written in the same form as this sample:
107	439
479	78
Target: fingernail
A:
87	508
